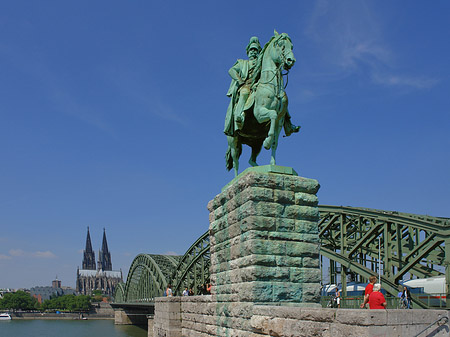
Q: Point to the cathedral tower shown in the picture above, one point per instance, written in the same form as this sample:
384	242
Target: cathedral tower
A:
101	278
88	254
104	256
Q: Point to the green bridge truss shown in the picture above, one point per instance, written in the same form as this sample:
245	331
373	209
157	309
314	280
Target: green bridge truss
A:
353	239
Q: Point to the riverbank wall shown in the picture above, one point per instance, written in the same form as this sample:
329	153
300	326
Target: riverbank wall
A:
201	316
98	311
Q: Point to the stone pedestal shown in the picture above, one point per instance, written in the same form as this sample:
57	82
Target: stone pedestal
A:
167	319
264	239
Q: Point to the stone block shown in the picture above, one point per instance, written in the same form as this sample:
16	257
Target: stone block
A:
267	326
264	247
302	249
311	292
310	262
258	223
304	275
287	292
257	291
264	273
270	209
426	316
399	317
285	225
284	197
257	194
301	212
304	328
289	261
306	199
362	317
343	330
254	260
300	184
304	226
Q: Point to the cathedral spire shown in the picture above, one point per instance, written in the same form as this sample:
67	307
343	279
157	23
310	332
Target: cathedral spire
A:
104	256
88	254
104	243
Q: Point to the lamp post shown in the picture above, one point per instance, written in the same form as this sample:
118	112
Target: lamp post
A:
379	259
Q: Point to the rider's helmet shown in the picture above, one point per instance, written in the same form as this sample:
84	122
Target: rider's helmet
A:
254	43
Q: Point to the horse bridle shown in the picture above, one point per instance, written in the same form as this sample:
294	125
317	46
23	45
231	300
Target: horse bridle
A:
279	69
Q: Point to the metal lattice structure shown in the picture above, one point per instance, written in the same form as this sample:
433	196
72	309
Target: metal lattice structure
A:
362	240
193	268
148	277
353	239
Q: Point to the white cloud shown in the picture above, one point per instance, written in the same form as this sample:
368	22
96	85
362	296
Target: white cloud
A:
17	252
350	39
170	253
45	255
393	80
5	257
38	254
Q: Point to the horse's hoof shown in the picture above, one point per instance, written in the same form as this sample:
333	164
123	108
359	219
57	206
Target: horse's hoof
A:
267	144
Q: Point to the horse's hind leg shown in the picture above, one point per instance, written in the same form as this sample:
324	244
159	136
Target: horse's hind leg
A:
256	149
236	149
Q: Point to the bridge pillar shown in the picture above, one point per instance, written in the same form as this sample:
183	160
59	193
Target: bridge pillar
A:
121	317
264	239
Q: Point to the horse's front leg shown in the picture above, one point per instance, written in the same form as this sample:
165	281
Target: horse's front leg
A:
263	114
275	142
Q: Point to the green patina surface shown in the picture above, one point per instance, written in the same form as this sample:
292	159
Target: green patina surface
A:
258	109
273	169
264	242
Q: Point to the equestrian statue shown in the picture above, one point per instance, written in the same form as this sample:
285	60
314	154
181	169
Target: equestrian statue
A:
258	108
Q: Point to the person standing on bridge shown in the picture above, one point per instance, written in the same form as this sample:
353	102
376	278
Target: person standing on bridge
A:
169	291
368	291
376	298
406	296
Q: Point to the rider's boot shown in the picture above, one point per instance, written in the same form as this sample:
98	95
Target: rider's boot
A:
240	122
290	128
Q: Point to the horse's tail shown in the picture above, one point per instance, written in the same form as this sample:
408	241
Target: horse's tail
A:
229	159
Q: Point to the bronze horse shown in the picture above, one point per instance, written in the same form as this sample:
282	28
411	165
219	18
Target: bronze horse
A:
266	116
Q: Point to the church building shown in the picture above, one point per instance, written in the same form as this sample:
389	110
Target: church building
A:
98	276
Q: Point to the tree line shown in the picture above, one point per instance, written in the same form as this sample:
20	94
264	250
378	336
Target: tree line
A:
22	300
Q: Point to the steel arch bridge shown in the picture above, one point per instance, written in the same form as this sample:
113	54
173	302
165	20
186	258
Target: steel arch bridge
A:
353	239
148	276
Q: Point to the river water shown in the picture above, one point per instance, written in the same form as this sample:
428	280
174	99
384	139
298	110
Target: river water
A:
68	328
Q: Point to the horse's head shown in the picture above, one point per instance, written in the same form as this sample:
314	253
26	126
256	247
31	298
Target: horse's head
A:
282	51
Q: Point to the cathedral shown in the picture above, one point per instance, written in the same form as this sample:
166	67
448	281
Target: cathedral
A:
97	277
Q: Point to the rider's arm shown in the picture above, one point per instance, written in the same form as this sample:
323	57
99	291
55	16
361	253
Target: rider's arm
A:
234	73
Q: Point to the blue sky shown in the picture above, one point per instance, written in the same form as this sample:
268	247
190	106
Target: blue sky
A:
111	115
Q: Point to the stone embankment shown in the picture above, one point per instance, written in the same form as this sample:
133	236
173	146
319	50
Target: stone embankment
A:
98	311
201	316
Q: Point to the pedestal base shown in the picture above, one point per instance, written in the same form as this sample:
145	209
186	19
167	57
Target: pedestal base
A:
264	238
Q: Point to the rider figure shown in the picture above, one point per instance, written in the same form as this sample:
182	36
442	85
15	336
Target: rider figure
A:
243	74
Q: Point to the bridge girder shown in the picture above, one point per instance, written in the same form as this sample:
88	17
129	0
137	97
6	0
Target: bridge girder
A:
411	244
352	237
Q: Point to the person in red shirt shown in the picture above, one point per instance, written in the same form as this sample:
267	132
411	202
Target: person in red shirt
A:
376	298
368	291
